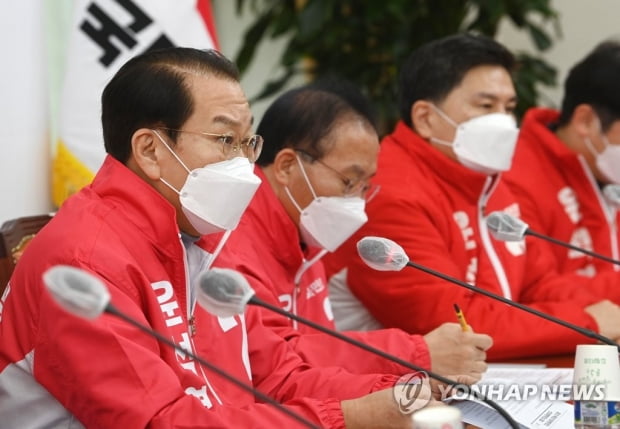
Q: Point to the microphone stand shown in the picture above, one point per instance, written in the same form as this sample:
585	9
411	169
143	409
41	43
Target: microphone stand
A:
260	395
572	246
583	331
459	386
518	229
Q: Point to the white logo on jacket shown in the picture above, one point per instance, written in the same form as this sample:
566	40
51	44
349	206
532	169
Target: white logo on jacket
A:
462	220
516	248
580	238
315	288
570	203
170	309
287	301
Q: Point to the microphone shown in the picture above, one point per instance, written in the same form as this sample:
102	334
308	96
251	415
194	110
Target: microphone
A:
505	227
381	251
82	294
226	294
224	282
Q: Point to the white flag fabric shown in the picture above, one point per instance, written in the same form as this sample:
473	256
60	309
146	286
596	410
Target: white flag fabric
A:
105	34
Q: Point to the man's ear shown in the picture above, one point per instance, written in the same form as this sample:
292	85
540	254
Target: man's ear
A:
284	166
584	121
422	118
146	151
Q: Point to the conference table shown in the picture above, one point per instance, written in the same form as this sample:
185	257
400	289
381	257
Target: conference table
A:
559	361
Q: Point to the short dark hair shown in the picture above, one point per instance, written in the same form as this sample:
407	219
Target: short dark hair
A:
433	70
595	80
302	117
151	90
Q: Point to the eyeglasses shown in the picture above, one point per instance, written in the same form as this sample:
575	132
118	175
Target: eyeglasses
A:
352	187
249	147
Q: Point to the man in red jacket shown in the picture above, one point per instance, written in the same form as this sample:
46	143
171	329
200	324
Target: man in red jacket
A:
565	159
439	173
177	130
321	152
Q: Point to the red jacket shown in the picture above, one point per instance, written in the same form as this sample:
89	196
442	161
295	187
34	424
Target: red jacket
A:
435	208
56	368
559	197
265	247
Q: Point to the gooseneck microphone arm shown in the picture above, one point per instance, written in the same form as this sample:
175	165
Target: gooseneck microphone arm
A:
257	393
225	292
506	227
572	246
84	295
459	386
512	303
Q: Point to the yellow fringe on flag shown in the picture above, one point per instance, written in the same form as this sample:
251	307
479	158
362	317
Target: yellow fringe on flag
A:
69	175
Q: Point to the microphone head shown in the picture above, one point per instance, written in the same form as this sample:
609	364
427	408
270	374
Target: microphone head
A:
505	227
382	254
224	292
77	291
612	194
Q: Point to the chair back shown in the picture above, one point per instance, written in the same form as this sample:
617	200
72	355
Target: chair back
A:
15	235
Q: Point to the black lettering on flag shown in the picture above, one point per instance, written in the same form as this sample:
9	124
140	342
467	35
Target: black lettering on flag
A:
108	29
161	42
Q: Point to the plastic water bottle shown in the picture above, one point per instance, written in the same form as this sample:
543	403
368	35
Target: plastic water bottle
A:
597	415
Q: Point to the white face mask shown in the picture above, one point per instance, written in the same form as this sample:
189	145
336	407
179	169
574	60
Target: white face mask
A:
328	222
214	197
485	143
607	161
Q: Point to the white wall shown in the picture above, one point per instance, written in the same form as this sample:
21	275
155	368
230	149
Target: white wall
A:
24	84
584	24
24	153
230	29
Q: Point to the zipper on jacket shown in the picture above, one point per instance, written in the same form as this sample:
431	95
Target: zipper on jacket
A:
190	301
609	212
192	326
489	185
305	265
205	264
294	305
613	227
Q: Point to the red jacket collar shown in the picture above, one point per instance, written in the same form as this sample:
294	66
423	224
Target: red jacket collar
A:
140	203
535	130
271	224
469	183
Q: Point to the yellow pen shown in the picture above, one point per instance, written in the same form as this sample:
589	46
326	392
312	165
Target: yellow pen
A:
461	318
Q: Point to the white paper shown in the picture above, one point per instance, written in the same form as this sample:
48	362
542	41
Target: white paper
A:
529	415
532	412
